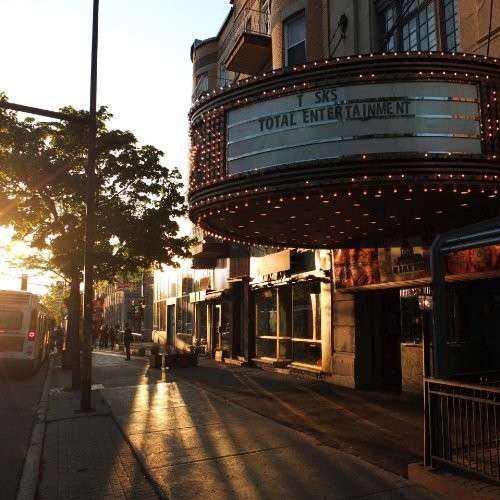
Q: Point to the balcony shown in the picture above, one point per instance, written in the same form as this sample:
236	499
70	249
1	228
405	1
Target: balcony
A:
247	47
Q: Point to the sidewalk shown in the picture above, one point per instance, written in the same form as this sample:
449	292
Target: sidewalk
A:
383	428
193	445
85	456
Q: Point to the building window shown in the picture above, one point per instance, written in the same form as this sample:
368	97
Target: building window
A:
185	315
295	40
201	321
389	17
160	316
450	13
419	31
265	9
266	315
410	25
288	323
306	323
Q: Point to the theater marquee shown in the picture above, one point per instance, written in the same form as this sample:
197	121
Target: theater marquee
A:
343	121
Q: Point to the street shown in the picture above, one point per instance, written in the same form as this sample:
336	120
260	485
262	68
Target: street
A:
155	434
20	393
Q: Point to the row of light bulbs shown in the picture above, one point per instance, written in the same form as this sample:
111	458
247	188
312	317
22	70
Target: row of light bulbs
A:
335	61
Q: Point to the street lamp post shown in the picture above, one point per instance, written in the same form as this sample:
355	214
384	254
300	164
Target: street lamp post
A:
90	226
90	222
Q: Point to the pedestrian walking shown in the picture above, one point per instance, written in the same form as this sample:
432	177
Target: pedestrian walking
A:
127	339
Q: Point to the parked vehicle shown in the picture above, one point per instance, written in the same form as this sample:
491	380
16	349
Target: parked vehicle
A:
24	329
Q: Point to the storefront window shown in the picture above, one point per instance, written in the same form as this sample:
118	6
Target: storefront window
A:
306	316
201	321
288	323
226	324
285	322
266	323
184	316
160	315
306	310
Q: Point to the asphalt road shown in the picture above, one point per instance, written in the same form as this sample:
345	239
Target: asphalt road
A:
19	397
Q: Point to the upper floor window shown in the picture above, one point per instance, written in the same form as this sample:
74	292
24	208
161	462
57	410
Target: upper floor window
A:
202	83
389	18
412	25
450	13
295	40
419	29
265	11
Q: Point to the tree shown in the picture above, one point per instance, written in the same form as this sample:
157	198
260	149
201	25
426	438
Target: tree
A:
55	301
42	196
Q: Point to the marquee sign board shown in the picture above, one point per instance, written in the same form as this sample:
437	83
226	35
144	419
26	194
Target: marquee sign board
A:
336	122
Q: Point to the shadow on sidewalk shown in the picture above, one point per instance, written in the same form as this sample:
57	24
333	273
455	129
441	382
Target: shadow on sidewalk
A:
85	455
384	429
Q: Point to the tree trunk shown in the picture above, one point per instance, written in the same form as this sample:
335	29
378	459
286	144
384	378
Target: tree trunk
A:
74	329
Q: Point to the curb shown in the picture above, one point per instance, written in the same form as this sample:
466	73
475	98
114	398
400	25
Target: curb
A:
28	483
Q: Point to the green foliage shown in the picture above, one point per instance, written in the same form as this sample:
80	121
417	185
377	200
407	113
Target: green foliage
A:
55	300
42	195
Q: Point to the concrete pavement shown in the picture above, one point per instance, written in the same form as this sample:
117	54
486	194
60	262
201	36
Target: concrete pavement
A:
85	456
193	445
383	428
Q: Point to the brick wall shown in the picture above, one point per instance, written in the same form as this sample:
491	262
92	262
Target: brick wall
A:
474	22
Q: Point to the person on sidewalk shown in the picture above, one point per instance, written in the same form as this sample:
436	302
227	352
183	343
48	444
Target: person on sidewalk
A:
127	339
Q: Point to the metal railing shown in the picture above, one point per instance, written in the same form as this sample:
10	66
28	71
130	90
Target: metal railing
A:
248	20
464	425
203	87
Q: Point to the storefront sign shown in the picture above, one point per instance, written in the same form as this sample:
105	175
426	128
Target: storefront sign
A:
356	267
475	260
407	262
370	266
269	264
400	117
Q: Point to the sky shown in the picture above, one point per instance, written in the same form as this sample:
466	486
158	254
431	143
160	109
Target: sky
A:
144	72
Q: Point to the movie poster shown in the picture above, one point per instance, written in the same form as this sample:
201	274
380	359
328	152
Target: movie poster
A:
407	262
356	267
475	260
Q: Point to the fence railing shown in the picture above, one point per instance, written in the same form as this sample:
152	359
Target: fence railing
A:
203	87
464	425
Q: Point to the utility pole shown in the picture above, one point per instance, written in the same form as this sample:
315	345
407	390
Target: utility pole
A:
90	226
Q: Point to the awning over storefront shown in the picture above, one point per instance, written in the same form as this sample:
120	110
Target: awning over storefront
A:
214	296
